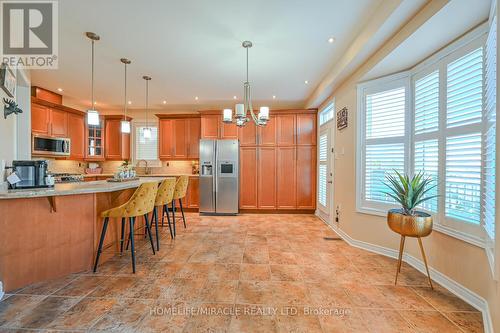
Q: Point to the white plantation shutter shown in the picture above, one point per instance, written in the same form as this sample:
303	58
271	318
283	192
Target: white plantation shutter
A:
323	169
489	136
384	106
382	160
465	89
384	146
146	149
426	161
427	103
463	178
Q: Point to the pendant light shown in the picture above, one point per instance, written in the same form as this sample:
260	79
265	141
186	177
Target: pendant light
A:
147	130
92	113
125	124
241	110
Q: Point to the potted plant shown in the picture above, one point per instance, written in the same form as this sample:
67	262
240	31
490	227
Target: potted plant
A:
407	221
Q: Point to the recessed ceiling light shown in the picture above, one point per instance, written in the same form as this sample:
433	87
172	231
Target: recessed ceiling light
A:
196	98
164	102
306	82
274	96
129	102
331	40
59	89
234	97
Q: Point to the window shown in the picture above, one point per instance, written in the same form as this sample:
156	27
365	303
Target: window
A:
146	148
439	119
323	169
327	113
384	142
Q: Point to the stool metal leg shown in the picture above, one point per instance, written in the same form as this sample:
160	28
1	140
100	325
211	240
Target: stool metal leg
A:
162	215
182	211
155	215
165	211
148	232
173	216
101	241
132	247
122	238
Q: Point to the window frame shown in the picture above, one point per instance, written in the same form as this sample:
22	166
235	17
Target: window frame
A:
473	234
364	89
135	124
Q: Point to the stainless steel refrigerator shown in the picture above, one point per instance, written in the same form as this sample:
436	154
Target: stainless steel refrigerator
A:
219	177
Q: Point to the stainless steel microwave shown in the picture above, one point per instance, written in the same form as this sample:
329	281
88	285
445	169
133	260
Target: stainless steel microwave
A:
46	145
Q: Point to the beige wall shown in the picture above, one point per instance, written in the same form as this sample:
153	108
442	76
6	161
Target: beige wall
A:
460	261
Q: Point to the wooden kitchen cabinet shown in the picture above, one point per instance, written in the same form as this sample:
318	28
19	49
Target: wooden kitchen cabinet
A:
117	144
193	194
179	137
180	132
76	133
228	131
266	170
248	177
306	129
40	119
94	141
58	123
166	146
306	177
248	135
194	138
267	134
210	126
286	126
48	121
286	178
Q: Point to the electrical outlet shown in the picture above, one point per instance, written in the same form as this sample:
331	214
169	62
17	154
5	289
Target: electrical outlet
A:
337	213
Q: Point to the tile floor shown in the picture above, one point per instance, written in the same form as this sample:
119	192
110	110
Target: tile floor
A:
251	273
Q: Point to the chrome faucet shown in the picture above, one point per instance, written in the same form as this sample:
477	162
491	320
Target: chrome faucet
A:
147	170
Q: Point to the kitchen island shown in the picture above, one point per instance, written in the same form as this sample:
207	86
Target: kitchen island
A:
48	233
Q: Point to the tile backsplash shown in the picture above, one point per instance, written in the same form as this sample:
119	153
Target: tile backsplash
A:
170	167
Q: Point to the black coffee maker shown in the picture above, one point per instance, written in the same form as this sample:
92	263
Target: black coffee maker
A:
31	173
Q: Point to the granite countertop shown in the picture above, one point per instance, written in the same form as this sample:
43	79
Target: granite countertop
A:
142	175
77	188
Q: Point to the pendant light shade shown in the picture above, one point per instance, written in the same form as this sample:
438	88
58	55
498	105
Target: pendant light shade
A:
125	124
92	114
93	117
146	133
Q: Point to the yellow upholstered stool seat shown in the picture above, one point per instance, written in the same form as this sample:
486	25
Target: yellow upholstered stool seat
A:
179	193
141	203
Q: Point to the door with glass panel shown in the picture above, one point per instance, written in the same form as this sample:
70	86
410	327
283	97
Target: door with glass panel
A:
325	173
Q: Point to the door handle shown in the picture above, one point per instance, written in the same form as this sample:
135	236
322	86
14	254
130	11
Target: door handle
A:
330	182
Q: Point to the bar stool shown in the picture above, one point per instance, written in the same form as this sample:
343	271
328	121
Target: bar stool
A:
163	197
179	193
140	203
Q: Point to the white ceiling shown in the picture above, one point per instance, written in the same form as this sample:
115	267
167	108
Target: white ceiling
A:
451	22
193	48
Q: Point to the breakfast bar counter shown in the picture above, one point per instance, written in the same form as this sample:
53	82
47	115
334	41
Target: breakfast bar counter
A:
99	186
48	233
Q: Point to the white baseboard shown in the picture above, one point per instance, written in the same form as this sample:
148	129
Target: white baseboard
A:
451	285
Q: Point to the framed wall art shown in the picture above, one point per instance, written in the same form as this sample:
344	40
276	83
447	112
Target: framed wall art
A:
342	118
7	80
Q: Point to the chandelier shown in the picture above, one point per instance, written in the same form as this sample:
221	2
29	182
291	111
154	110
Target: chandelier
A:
242	110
